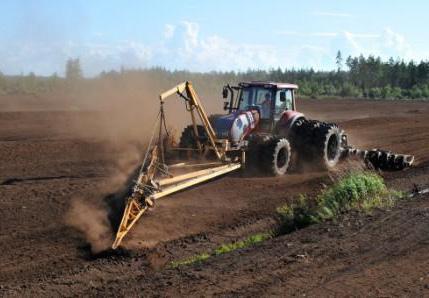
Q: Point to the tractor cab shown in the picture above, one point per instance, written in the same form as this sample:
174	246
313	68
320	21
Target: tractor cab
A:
256	107
270	100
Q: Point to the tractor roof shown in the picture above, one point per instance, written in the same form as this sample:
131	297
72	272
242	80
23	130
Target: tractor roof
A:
268	84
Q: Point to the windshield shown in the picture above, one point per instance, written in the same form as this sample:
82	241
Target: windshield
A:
256	97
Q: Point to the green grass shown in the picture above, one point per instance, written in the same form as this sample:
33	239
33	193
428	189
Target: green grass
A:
357	191
252	240
223	249
192	260
361	191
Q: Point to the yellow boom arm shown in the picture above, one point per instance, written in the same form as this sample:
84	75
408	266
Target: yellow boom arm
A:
195	105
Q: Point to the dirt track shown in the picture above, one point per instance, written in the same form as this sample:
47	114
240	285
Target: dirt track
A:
46	162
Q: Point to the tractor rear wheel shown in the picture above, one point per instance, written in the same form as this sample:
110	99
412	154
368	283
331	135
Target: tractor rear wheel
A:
318	143
188	141
276	156
327	147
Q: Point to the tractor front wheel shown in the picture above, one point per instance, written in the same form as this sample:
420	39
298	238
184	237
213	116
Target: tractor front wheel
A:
318	143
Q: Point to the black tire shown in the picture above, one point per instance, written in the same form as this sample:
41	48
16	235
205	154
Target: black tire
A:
318	143
329	147
188	141
275	157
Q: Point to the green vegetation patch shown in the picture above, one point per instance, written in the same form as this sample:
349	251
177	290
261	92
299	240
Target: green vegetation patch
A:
252	240
194	259
225	248
358	191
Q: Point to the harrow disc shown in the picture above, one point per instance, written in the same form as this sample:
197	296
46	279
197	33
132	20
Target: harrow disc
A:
381	159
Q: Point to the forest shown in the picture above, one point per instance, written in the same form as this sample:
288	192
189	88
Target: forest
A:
357	77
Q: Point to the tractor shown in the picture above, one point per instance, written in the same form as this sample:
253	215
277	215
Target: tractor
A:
261	128
262	120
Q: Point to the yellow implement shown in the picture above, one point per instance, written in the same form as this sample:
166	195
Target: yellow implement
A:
155	181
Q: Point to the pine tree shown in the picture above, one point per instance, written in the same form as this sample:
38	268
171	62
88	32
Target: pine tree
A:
339	61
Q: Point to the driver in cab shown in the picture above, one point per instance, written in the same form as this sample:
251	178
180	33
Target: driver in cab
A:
266	106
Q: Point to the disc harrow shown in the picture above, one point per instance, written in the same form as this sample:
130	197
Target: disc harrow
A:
381	159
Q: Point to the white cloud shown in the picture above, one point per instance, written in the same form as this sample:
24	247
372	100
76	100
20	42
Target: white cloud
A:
217	53
354	46
362	35
46	59
222	54
396	44
331	14
310	56
184	46
327	34
101	56
191	35
288	33
388	43
324	34
169	31
314	48
311	34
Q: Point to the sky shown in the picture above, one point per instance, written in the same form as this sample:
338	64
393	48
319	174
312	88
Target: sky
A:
39	36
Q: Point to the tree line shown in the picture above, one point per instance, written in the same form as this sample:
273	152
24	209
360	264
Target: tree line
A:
362	77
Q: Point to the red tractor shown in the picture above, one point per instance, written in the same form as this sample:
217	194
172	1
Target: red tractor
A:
262	128
263	121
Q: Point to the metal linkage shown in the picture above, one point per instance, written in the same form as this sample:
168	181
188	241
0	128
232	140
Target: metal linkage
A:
381	159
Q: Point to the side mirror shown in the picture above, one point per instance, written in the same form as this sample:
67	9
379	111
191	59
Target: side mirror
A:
282	96
226	106
225	92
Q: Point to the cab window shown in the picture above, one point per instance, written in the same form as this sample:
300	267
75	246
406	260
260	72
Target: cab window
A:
257	97
281	106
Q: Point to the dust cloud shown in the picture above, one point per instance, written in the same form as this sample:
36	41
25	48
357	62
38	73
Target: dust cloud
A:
91	221
124	114
121	115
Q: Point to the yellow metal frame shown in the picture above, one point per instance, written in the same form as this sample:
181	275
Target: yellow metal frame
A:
140	200
134	210
132	213
195	104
